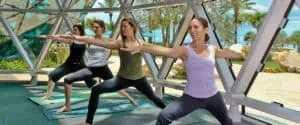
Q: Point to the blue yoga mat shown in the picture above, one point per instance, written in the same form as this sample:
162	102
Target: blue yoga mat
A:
107	106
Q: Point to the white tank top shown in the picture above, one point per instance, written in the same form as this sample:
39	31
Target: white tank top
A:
97	56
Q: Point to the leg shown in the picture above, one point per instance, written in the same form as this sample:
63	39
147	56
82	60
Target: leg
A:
67	106
105	73
217	107
143	86
125	94
54	76
111	85
177	109
82	74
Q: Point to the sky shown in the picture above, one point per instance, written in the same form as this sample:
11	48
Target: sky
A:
261	6
294	16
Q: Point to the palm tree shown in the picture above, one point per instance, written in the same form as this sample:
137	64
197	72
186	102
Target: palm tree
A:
281	39
222	20
109	4
88	22
295	40
238	6
255	20
249	37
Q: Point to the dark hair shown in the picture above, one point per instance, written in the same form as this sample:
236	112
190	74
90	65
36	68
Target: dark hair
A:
101	24
131	23
80	28
204	23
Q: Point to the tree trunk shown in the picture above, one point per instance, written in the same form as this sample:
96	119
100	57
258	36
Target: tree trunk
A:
110	20
168	36
298	48
235	26
174	29
164	40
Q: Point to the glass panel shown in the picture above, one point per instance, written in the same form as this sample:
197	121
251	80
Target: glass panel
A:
141	2
57	52
26	26
106	4
159	25
108	18
30	4
23	22
80	4
278	83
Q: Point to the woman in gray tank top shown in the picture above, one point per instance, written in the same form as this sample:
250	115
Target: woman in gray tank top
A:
96	66
198	58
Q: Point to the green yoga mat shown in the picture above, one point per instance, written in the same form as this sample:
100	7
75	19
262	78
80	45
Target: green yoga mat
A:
58	98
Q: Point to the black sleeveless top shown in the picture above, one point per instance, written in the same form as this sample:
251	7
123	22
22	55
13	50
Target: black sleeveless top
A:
76	53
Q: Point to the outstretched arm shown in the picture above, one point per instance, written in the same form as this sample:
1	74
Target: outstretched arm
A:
90	40
177	52
55	37
220	53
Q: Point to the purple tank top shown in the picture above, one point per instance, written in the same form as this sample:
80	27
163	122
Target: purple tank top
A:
200	74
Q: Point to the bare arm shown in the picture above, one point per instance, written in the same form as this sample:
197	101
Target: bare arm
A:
110	44
220	53
177	52
55	37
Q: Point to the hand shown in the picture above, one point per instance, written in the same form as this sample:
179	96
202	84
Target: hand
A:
132	50
42	37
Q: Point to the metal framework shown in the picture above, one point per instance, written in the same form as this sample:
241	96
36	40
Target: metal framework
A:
236	87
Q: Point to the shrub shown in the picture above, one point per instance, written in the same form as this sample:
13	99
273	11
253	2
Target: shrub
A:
17	64
180	72
55	56
146	71
114	52
273	70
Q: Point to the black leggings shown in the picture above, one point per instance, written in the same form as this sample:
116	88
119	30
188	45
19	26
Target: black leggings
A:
187	104
116	84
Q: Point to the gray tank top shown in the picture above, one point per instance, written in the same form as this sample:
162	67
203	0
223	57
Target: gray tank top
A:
97	56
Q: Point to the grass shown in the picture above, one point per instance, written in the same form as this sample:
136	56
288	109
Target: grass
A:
268	64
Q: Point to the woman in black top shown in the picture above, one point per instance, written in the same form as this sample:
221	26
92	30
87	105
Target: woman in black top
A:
74	62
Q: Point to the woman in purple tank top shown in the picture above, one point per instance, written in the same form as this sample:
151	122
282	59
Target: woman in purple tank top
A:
199	62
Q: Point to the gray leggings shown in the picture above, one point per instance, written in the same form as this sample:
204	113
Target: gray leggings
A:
187	104
89	73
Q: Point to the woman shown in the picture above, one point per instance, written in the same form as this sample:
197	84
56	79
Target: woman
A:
96	66
73	63
199	61
130	72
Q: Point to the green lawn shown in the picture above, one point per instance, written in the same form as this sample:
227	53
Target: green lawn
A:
268	64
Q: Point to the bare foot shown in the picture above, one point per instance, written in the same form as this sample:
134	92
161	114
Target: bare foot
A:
64	109
133	102
45	97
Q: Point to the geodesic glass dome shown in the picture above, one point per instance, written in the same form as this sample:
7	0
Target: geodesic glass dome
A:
166	23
